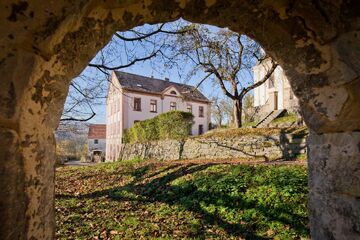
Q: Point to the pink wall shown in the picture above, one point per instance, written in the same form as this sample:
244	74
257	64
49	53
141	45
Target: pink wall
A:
121	114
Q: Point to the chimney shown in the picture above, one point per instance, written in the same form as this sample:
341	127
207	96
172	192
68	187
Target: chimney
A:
167	79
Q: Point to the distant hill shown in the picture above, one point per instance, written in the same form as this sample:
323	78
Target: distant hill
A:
72	131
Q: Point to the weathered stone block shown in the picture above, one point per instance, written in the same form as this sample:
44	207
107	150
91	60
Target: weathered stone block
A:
334	181
12	195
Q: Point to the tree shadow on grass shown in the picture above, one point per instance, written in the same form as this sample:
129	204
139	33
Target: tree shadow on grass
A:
157	187
164	170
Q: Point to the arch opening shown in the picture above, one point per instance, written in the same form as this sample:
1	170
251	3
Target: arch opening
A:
318	53
245	77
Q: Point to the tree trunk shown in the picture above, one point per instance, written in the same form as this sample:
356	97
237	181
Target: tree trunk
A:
219	113
237	113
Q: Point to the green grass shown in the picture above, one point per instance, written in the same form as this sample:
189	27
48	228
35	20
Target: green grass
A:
238	132
249	124
287	118
137	200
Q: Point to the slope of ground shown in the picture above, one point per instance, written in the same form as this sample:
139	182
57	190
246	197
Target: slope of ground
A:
235	132
182	200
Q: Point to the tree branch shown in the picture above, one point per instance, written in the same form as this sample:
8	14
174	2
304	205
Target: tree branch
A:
146	35
78	119
264	79
220	81
240	54
87	102
126	65
202	80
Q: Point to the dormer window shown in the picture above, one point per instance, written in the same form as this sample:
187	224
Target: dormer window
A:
173	92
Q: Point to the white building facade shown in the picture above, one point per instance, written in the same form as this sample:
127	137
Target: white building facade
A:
133	98
275	93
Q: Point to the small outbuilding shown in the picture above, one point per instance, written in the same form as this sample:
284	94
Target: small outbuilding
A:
97	142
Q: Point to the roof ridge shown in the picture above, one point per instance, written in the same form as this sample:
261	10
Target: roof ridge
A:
132	81
157	79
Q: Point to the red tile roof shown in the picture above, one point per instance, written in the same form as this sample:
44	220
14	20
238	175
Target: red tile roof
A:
97	131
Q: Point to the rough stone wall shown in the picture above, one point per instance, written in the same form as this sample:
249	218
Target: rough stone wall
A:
43	45
246	147
159	150
334	173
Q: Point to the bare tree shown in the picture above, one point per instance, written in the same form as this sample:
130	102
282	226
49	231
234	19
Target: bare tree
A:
225	57
216	111
145	43
227	106
222	111
248	108
86	91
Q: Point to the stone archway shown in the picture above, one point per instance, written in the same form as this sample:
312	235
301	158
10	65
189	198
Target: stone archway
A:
44	44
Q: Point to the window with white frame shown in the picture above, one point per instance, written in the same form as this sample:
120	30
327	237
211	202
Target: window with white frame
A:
137	104
189	108
201	111
153	105
172	106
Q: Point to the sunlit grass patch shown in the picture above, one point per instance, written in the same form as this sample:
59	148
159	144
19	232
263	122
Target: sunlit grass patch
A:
289	118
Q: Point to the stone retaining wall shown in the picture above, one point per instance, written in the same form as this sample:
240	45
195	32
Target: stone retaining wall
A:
248	146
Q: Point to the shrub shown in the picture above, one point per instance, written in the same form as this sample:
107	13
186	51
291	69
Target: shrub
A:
144	131
174	124
169	125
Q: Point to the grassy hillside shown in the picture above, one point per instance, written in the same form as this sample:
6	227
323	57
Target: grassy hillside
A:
237	132
181	200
